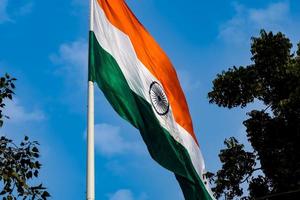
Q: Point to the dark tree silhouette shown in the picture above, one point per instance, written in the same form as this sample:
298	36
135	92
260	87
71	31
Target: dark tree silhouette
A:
19	165
274	132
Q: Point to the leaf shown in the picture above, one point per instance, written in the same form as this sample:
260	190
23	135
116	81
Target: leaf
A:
36	155
2	192
29	175
34	149
36	173
45	195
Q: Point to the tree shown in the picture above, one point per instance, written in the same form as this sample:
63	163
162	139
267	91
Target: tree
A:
274	132
19	165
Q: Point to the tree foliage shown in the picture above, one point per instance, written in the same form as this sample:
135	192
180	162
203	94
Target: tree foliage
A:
274	132
19	165
6	91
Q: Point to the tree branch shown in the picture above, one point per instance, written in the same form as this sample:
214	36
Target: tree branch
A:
250	174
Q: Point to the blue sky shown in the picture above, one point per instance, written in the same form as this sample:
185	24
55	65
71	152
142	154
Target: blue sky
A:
44	45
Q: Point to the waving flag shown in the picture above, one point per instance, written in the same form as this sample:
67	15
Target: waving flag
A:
139	81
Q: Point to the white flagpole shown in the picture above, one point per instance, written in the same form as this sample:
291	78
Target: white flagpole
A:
90	181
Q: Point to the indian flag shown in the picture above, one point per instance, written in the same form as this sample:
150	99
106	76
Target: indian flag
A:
139	81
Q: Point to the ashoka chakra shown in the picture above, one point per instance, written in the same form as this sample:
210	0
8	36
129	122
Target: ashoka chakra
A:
158	98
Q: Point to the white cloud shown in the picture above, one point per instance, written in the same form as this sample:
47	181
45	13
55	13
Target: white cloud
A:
4	17
18	114
70	63
122	195
125	194
109	141
25	9
73	60
232	30
275	14
248	21
187	81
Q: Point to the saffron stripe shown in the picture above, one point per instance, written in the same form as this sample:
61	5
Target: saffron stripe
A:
152	57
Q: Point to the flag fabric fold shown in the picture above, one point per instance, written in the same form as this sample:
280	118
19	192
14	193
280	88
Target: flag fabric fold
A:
141	84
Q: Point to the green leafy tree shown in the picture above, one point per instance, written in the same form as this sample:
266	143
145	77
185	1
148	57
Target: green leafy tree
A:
19	165
272	169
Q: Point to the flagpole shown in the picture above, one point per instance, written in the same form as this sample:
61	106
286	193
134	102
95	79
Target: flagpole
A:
90	180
